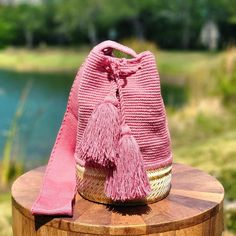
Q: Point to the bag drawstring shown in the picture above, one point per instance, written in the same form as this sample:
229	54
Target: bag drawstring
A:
128	180
99	141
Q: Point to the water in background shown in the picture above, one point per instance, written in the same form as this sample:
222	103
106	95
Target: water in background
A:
43	111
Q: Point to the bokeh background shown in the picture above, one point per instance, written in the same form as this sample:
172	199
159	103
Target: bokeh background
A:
43	42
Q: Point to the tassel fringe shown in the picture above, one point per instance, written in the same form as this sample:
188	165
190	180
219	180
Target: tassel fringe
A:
100	138
128	180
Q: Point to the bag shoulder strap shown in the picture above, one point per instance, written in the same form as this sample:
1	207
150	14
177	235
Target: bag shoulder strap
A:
59	182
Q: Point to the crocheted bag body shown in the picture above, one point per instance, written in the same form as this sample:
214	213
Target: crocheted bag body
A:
114	131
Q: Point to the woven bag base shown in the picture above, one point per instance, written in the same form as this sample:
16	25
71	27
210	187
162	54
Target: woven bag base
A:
91	182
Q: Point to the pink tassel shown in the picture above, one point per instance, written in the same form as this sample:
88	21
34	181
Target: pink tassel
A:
128	180
99	141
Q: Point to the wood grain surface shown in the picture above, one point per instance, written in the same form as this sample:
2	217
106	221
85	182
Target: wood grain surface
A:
194	207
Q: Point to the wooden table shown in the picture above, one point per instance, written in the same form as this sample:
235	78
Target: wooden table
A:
194	207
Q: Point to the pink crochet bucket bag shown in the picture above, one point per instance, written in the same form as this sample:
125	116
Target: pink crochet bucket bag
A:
113	146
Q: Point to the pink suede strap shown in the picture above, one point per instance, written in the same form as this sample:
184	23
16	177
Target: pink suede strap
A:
59	182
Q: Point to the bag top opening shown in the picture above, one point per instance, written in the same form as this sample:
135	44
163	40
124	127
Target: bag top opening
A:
116	53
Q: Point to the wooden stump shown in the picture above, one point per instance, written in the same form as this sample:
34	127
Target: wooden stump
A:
194	207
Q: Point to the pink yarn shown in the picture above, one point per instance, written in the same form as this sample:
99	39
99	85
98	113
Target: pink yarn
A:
143	104
99	142
90	132
129	179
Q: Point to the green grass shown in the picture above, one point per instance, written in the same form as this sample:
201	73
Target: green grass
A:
170	63
179	63
4	197
5	214
43	60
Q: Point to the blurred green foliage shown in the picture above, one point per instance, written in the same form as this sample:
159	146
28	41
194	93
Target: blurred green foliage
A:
10	169
230	221
5	214
169	23
228	177
140	45
226	76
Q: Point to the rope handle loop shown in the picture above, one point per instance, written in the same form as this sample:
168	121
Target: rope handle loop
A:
108	45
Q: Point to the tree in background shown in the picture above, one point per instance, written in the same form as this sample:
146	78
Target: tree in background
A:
8	25
210	35
30	18
90	16
76	16
169	23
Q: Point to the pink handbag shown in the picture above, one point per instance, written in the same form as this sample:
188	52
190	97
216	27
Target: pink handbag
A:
113	145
